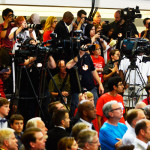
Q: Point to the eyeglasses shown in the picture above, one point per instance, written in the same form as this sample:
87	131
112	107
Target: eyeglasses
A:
119	108
96	142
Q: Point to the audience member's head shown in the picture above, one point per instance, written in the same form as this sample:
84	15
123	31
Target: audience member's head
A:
67	143
33	139
7	139
61	118
140	105
88	139
4	107
142	130
77	128
112	110
134	115
68	17
115	83
147	111
55	106
37	123
87	110
90	96
17	123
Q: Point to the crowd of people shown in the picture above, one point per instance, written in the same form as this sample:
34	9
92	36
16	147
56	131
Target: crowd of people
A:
69	85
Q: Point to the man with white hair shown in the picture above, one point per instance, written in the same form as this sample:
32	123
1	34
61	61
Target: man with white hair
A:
7	139
38	123
112	131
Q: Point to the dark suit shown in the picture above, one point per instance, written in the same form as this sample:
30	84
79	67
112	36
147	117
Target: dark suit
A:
54	135
61	30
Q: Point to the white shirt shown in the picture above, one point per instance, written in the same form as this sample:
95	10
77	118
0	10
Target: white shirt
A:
144	69
3	124
140	145
87	123
129	137
23	35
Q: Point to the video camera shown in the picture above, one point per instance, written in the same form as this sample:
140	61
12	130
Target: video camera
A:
129	14
133	46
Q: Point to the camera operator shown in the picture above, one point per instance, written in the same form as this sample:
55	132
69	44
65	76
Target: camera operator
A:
146	32
86	73
30	92
21	32
81	16
130	76
5	44
121	26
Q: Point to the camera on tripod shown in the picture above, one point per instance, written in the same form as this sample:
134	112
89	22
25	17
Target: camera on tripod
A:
129	14
133	46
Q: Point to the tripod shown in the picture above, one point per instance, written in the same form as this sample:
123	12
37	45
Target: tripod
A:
135	82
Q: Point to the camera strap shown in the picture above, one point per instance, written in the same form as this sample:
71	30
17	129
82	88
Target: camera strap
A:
15	36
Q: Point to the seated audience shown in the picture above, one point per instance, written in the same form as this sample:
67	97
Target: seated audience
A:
87	113
111	133
77	128
133	115
88	140
33	139
142	130
67	143
146	110
140	105
4	110
17	123
61	121
8	140
37	123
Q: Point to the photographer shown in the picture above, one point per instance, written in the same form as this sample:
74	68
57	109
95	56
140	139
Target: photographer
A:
81	14
86	73
91	34
21	32
146	32
5	44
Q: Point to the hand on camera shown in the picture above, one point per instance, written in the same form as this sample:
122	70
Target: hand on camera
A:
65	93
